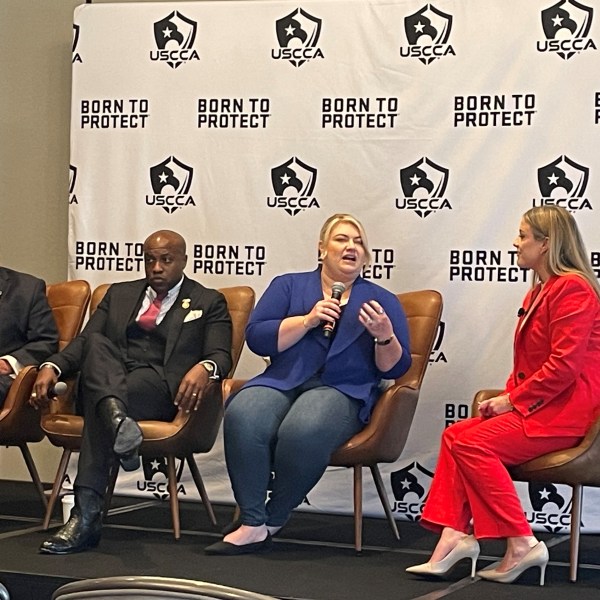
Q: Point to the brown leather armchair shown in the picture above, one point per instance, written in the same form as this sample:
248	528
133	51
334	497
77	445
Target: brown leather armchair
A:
188	433
384	437
575	467
19	421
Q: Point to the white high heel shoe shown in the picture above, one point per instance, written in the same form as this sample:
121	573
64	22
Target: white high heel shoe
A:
468	547
537	557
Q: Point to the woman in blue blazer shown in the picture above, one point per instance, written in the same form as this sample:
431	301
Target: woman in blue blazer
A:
331	337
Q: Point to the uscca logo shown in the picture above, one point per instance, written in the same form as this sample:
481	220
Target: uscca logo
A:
550	509
171	181
563	182
72	182
156	468
75	55
566	26
423	185
437	355
410	487
427	32
174	37
297	35
293	183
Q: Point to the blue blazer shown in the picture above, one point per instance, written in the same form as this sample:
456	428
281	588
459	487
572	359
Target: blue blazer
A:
347	362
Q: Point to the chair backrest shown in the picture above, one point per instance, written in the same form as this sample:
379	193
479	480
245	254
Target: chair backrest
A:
423	309
240	302
97	296
69	301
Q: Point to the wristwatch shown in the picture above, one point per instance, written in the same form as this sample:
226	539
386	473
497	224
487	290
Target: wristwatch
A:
210	367
384	342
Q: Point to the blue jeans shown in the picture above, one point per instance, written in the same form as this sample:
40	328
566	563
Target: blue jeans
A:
292	433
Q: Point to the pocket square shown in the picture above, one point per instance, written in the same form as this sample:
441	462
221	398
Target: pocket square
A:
192	316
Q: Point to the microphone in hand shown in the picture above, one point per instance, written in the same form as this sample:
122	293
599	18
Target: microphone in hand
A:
337	289
58	389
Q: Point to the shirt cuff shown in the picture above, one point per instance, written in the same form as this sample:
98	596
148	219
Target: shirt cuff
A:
51	364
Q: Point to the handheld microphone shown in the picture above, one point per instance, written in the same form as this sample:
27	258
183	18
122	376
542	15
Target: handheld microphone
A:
58	389
337	289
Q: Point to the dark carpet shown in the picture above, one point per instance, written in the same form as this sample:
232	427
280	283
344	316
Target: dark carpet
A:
313	557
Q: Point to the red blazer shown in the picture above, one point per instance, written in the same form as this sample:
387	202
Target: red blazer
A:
555	381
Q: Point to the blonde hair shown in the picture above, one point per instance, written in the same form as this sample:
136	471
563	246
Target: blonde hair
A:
566	250
333	220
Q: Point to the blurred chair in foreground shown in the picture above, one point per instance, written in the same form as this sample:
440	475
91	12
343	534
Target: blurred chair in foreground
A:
143	587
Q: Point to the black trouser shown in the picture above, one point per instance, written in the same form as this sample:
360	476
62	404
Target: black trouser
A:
143	391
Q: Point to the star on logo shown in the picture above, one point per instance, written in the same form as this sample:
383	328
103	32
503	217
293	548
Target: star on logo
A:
415	179
553	179
544	494
290	30
405	484
419	27
167	32
163	177
285	179
155	464
557	21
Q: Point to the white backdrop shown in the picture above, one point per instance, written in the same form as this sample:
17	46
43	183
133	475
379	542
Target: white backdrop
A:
244	125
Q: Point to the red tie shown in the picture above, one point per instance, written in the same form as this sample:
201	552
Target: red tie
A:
147	320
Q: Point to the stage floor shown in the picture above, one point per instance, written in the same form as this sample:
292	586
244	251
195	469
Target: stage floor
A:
313	557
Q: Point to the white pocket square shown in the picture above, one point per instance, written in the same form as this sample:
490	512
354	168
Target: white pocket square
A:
192	315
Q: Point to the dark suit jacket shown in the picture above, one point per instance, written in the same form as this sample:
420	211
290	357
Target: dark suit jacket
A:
27	328
555	381
207	337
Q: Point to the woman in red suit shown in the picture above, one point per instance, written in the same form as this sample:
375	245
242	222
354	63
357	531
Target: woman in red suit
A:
550	400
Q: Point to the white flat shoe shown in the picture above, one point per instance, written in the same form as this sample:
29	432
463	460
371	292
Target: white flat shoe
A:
537	557
468	547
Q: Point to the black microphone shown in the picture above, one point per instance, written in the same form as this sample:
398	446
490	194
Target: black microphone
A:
58	389
521	312
337	289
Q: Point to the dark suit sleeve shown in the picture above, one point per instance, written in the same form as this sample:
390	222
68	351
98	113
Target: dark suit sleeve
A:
41	334
217	336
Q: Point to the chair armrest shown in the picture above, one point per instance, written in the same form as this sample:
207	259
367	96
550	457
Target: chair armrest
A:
482	395
231	386
384	436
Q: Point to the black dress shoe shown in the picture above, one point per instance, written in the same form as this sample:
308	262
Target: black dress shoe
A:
127	444
228	549
126	432
82	530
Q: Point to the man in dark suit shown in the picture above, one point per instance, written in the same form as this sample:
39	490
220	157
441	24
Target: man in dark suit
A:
148	351
28	332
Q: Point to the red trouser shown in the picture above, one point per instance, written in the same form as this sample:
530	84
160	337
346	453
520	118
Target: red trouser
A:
472	481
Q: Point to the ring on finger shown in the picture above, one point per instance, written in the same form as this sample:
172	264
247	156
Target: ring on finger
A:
194	395
381	311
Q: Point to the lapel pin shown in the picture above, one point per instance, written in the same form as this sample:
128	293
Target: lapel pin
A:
185	303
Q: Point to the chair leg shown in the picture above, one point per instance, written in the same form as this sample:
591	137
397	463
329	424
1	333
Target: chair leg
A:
358	508
33	472
56	486
201	489
173	500
576	501
384	500
110	488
